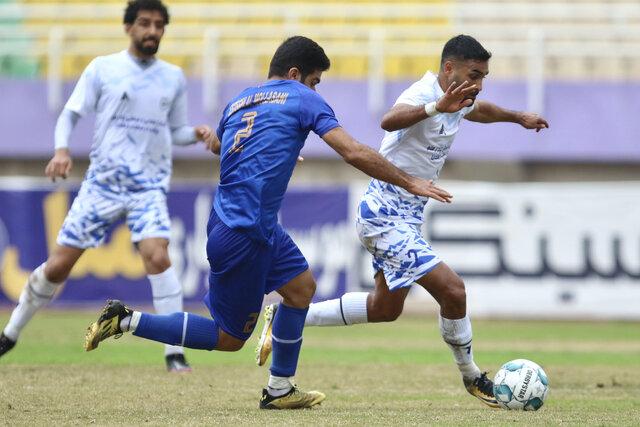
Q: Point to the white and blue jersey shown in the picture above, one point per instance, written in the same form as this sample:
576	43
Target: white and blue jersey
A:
389	219
262	132
137	107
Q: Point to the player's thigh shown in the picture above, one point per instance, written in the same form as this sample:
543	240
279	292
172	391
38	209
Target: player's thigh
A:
443	284
289	272
92	212
239	267
148	215
385	305
390	297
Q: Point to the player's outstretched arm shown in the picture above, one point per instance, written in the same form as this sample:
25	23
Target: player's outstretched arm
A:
402	116
373	164
486	112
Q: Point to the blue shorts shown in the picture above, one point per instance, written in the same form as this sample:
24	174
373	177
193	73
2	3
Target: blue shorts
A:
243	271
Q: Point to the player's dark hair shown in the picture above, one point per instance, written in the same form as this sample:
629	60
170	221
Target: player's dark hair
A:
299	52
462	48
134	6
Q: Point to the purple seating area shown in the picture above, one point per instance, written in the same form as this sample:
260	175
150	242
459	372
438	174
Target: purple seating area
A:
590	121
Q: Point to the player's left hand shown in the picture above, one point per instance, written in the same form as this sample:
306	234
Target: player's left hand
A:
533	121
203	132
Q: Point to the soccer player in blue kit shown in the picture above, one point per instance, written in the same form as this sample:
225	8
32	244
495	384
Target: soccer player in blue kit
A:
260	136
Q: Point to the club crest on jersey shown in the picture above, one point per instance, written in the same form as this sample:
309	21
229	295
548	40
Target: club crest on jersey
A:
165	103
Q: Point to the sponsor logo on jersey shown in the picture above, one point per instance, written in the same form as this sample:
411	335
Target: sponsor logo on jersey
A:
165	103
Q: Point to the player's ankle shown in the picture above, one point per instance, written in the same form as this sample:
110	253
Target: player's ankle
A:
469	371
130	323
279	386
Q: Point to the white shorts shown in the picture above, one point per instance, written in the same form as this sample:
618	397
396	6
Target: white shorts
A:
95	209
395	241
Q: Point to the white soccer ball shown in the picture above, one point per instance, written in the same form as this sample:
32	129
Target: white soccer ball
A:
521	384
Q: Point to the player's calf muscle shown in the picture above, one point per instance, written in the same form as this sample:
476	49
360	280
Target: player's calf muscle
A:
383	310
58	267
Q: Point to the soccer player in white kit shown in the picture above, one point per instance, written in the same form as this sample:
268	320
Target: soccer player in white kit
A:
420	127
141	109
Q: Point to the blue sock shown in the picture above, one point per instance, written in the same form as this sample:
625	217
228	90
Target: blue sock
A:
184	329
287	340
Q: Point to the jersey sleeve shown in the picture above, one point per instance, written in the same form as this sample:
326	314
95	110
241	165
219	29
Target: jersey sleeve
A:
85	95
416	94
223	119
316	114
178	112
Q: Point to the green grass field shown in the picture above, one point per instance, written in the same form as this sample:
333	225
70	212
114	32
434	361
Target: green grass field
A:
385	374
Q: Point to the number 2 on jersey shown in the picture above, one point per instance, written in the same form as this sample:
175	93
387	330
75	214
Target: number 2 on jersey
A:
249	119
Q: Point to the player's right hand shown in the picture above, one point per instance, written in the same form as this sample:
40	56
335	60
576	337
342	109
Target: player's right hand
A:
426	188
455	98
60	165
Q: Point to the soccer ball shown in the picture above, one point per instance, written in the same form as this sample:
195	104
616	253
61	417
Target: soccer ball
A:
521	384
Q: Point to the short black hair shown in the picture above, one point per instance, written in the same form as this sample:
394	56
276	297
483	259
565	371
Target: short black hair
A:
299	52
462	48
134	6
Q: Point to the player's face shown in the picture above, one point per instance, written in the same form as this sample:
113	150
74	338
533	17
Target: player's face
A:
146	31
312	80
471	70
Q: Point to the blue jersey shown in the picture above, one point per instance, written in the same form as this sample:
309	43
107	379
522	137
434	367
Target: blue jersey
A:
262	132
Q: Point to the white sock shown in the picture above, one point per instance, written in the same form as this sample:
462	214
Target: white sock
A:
167	298
279	386
36	293
130	323
350	309
458	336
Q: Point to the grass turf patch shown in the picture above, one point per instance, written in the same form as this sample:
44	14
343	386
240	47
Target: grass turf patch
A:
398	373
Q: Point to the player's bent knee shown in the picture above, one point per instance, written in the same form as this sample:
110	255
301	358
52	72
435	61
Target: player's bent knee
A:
456	293
302	296
227	342
308	291
157	261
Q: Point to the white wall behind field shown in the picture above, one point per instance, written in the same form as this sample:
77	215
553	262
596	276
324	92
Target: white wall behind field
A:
525	250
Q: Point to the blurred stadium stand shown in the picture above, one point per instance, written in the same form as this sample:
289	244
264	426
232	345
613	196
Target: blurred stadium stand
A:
549	56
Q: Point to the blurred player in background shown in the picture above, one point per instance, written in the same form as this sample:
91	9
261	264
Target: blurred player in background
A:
261	134
141	109
420	127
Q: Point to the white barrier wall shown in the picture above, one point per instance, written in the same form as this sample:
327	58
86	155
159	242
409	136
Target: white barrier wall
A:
524	250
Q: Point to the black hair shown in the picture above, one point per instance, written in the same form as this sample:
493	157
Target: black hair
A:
299	52
463	48
134	6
